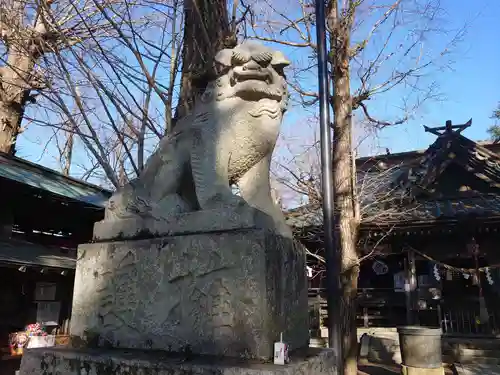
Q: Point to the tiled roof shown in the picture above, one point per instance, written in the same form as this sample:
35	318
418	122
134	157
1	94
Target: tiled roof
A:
402	157
26	253
22	171
305	216
455	208
419	175
427	210
455	148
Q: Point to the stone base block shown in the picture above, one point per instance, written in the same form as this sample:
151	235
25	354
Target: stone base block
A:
229	293
407	370
384	348
205	221
119	362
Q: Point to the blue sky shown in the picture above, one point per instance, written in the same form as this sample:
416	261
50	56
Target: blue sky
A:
470	89
468	86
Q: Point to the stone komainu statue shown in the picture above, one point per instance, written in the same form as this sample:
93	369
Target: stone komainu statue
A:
228	138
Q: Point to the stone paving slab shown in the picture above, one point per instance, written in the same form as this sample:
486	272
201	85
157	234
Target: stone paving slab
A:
477	369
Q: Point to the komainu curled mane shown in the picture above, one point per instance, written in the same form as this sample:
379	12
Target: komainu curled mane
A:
228	138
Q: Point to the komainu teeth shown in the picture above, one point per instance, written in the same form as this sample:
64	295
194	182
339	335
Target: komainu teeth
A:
264	57
240	57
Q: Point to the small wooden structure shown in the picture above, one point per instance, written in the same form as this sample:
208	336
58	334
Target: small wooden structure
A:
43	217
433	260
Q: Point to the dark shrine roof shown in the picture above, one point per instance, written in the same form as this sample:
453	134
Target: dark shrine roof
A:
454	148
36	176
454	179
51	213
24	253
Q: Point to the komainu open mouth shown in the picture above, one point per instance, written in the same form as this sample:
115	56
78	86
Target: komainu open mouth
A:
254	90
263	75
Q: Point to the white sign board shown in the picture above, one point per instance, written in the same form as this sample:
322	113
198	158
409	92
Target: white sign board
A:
41	341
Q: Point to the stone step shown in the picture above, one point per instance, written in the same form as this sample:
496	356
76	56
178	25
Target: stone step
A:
465	355
318	342
115	361
464	350
471	343
487	356
485	351
483	361
476	369
474	352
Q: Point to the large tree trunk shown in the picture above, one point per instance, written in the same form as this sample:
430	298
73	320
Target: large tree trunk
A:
343	182
346	218
206	31
10	118
14	93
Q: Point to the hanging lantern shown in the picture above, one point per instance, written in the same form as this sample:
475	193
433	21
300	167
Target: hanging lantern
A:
380	268
473	247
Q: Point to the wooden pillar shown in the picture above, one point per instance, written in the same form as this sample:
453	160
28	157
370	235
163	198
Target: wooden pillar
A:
409	319
366	319
410	287
6	222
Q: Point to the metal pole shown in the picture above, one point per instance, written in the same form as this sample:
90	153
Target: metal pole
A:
331	253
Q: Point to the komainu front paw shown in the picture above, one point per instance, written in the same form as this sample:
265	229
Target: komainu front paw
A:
221	201
173	204
126	203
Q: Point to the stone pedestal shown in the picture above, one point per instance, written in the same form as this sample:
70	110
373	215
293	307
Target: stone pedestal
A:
120	362
224	293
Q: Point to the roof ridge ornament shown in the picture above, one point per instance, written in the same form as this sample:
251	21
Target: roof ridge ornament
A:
449	128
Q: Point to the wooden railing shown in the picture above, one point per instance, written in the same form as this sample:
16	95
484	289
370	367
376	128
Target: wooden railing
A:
468	322
376	307
385	308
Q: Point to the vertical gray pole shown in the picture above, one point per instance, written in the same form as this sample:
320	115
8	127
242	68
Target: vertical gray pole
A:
331	253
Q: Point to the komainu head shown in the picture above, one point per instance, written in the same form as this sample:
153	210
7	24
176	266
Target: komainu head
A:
251	75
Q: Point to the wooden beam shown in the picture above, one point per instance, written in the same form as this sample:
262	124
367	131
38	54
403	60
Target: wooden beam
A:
448	128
